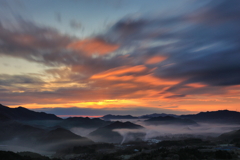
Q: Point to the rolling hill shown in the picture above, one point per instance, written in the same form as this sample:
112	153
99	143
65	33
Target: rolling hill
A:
83	122
117	131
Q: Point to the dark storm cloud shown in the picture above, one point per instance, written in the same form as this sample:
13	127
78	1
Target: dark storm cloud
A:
218	12
208	53
201	46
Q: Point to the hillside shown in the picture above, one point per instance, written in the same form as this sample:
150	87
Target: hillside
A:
62	138
109	133
123	125
15	133
168	120
230	135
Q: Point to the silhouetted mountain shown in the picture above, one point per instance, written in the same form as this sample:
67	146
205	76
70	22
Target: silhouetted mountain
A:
110	116
221	116
168	120
15	133
109	134
24	114
83	122
157	115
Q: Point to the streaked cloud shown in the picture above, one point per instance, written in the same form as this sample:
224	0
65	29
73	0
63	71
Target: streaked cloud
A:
75	24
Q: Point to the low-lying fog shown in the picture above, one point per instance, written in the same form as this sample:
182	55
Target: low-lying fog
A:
203	130
160	132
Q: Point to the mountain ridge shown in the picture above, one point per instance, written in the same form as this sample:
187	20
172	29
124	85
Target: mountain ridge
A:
220	116
168	120
24	114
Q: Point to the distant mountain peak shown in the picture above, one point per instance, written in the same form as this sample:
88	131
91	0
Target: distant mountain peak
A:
220	116
110	116
157	115
170	120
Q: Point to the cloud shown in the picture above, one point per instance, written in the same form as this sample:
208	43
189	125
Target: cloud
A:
75	24
18	79
29	41
217	12
10	84
155	59
48	46
58	17
162	57
120	71
196	51
93	46
207	54
176	96
170	107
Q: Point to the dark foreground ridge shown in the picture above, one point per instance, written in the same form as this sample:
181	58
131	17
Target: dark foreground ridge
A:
21	113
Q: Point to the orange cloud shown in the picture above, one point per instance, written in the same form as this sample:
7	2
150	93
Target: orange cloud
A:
93	46
119	71
123	78
196	85
155	59
155	81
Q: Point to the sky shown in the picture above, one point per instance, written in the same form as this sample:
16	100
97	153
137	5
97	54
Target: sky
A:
92	57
